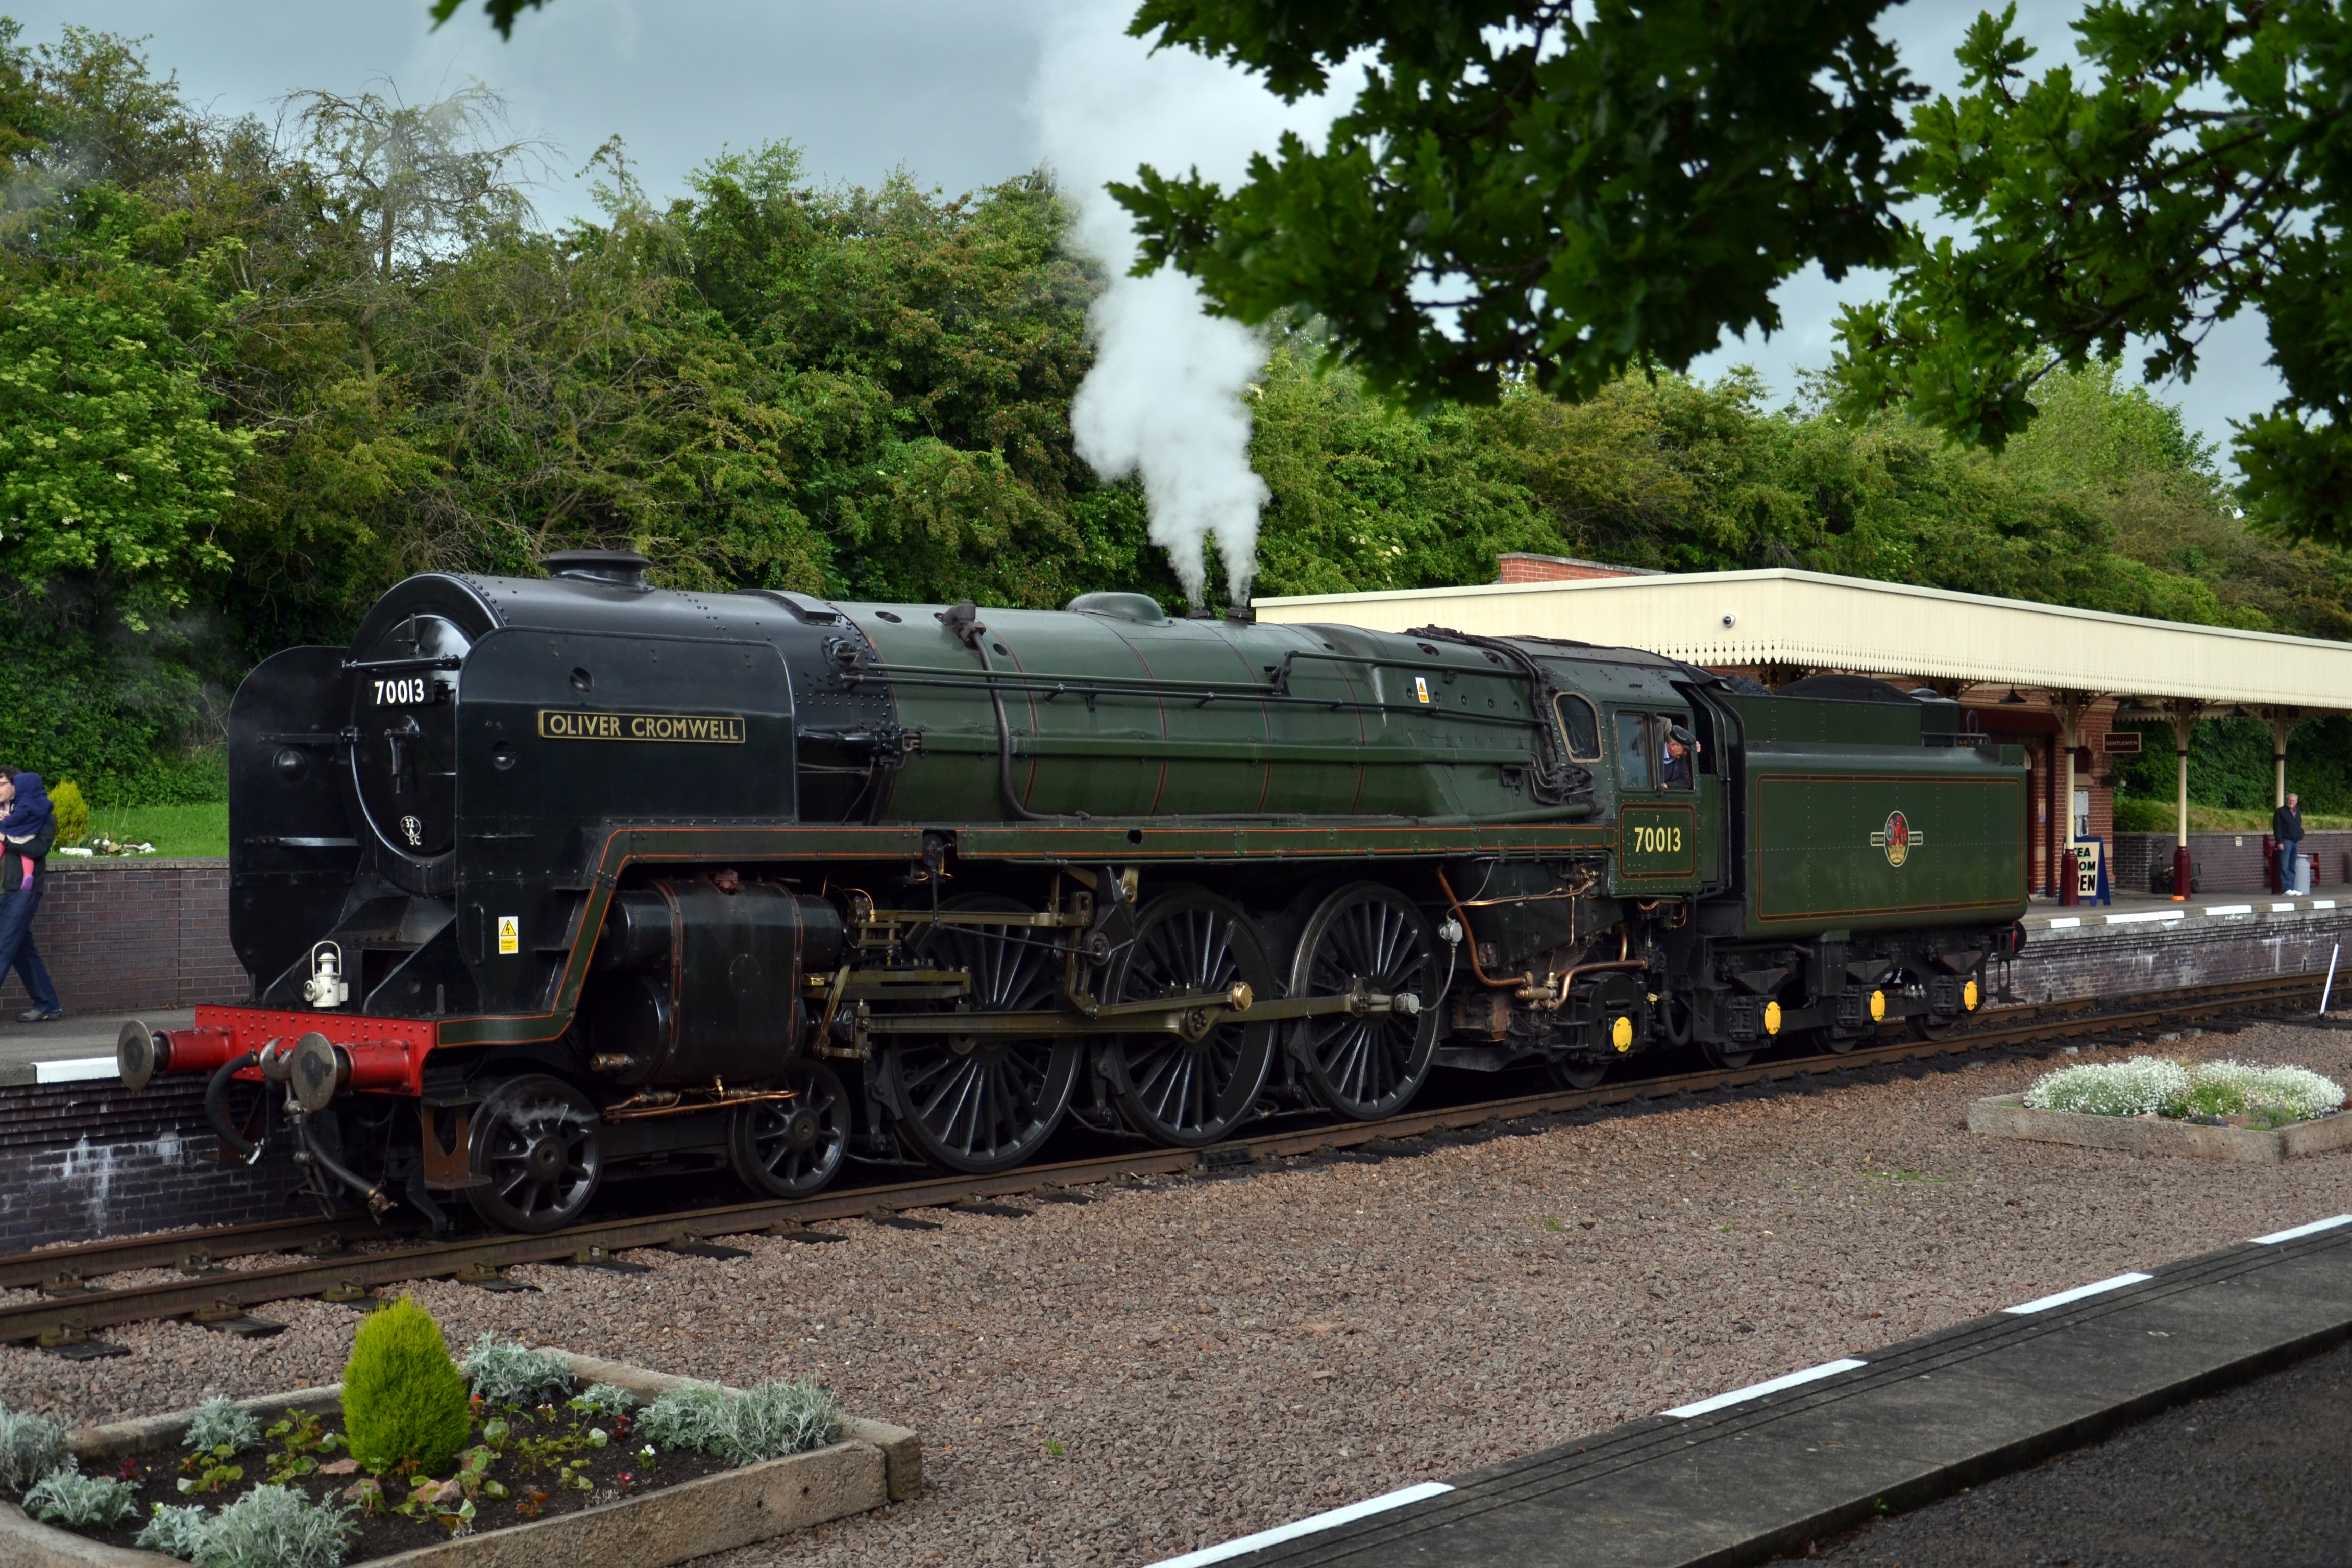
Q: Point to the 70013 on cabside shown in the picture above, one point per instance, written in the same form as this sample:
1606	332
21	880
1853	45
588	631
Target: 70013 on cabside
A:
546	880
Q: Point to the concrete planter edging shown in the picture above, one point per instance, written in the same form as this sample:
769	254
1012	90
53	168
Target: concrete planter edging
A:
2007	1116
873	1464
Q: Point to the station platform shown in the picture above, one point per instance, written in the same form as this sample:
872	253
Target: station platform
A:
75	1048
1757	1471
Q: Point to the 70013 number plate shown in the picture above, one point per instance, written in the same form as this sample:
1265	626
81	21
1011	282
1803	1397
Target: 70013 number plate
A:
407	690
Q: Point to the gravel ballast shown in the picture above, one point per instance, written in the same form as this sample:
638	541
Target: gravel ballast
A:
1179	1363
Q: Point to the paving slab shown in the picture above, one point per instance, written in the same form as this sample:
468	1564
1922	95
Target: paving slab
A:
1883	1431
80	1045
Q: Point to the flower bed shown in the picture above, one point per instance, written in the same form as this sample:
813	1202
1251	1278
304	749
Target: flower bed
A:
2209	1094
411	1457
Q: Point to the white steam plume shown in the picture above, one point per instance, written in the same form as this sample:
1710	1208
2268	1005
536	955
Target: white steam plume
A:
1165	396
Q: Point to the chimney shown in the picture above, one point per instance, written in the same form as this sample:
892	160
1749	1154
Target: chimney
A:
1518	566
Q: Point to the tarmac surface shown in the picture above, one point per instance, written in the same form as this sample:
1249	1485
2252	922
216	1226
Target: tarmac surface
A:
1779	1466
2255	1478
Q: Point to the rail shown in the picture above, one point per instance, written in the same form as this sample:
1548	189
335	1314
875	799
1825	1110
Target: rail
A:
70	1311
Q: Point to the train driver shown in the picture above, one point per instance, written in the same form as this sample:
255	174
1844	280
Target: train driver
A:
1676	772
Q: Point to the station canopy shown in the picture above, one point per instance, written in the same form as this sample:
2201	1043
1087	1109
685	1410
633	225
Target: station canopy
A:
1779	619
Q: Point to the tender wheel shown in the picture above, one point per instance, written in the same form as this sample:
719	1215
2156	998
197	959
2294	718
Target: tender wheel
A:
1576	1072
792	1148
535	1139
1723	1055
1191	1088
982	1103
1368	935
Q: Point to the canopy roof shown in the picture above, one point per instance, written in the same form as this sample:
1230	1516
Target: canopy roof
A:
1812	620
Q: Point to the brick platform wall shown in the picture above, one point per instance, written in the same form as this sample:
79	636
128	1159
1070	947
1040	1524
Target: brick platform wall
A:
120	936
2114	961
2226	862
84	1161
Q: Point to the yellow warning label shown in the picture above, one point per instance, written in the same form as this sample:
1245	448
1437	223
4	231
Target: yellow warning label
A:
510	934
1421	686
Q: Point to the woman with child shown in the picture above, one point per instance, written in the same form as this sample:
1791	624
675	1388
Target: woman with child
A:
28	829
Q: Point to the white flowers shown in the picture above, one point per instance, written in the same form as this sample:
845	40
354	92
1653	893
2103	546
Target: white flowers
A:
2111	1089
2209	1092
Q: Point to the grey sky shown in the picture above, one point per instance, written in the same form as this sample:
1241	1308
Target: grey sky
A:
938	86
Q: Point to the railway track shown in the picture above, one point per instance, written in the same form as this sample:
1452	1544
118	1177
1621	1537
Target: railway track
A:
69	1310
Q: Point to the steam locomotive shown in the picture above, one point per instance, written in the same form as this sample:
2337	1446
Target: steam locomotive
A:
546	879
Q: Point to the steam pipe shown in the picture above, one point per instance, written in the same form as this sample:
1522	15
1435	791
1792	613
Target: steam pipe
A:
963	621
216	1105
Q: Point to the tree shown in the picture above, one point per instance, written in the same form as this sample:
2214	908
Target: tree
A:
1563	189
2203	167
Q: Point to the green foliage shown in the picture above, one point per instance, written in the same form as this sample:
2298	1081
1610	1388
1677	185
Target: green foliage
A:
406	1404
2266	1096
31	1446
80	1502
1589	189
2195	169
765	1422
274	1526
865	393
219	1422
502	1373
175	1531
606	1400
72	812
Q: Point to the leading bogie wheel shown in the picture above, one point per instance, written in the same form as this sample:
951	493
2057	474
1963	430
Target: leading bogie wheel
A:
1368	940
534	1139
1193	1086
979	1103
792	1148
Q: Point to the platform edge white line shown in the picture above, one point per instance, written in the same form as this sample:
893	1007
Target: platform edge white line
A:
2097	1288
75	1069
1307	1526
2313	1228
1771	1385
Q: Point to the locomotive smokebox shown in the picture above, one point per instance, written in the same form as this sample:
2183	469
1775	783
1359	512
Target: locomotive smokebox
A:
698	978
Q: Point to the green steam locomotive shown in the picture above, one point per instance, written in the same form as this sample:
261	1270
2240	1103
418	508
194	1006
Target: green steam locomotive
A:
544	879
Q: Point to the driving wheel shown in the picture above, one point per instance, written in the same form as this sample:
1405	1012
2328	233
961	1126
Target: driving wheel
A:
1366	938
1190	1087
978	1102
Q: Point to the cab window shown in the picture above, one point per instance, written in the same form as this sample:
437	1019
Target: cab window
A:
1633	751
1581	726
1676	772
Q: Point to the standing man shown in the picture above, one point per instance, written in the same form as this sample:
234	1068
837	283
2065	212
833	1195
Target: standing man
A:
28	829
2286	826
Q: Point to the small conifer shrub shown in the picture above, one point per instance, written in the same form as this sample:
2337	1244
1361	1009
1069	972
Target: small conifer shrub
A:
405	1403
72	812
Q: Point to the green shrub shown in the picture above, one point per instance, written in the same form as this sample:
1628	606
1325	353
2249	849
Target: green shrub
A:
503	1373
763	1422
278	1527
72	812
220	1424
406	1404
175	1531
606	1399
80	1502
2266	1096
30	1447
